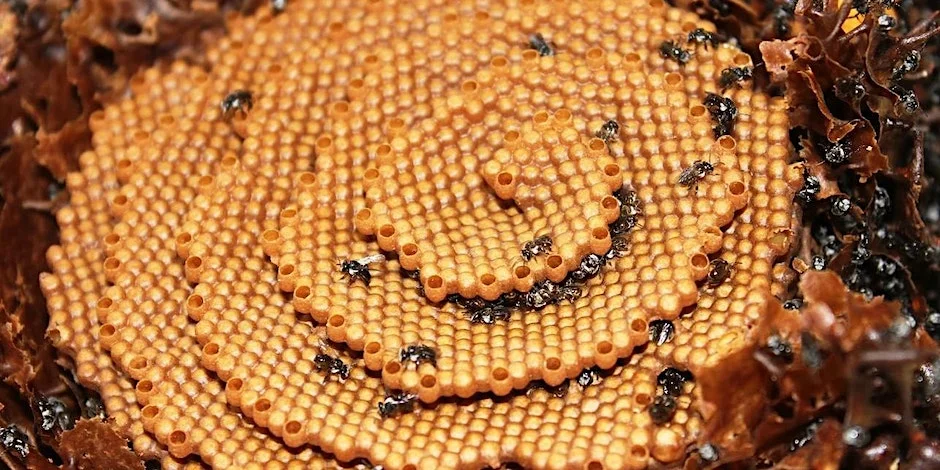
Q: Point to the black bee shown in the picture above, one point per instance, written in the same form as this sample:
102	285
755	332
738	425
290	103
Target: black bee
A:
733	75
537	42
661	331
625	222
53	413
837	153
415	275
793	304
880	205
473	303
589	267
840	206
691	176
618	248
511	299
278	6
908	65
932	325
818	263
539	246
907	97
723	112
627	197
359	269
630	211
489	315
861	6
701	36
609	132
94	409
397	403
663	409
542	294
331	366
861	253
671	50
810	189
14	440
672	380
588	377
719	273
236	101
849	89
568	293
419	354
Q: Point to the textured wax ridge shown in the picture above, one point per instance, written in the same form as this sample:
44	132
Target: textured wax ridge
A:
334	134
76	282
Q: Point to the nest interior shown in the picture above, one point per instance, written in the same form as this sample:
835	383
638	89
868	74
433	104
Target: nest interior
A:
324	243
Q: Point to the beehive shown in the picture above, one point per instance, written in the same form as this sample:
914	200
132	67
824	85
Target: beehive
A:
371	116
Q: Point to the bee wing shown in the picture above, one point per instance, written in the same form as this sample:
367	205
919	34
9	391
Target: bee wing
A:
324	346
684	176
371	259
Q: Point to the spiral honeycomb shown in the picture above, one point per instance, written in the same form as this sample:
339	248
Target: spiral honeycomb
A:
312	237
368	116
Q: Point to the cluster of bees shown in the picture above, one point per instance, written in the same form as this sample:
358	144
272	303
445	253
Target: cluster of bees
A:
671	381
546	292
395	402
398	402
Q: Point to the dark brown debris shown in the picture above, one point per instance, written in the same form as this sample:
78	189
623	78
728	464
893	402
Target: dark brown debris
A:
93	444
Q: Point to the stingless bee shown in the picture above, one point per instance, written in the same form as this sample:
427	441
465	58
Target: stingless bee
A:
236	101
701	36
691	176
331	366
589	376
539	246
609	132
397	403
734	75
718	273
489	315
671	50
537	42
418	354
723	111
359	268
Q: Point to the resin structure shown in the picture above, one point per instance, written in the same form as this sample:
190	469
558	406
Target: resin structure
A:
199	288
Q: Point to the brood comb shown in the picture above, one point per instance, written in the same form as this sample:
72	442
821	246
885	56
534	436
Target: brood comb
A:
379	112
